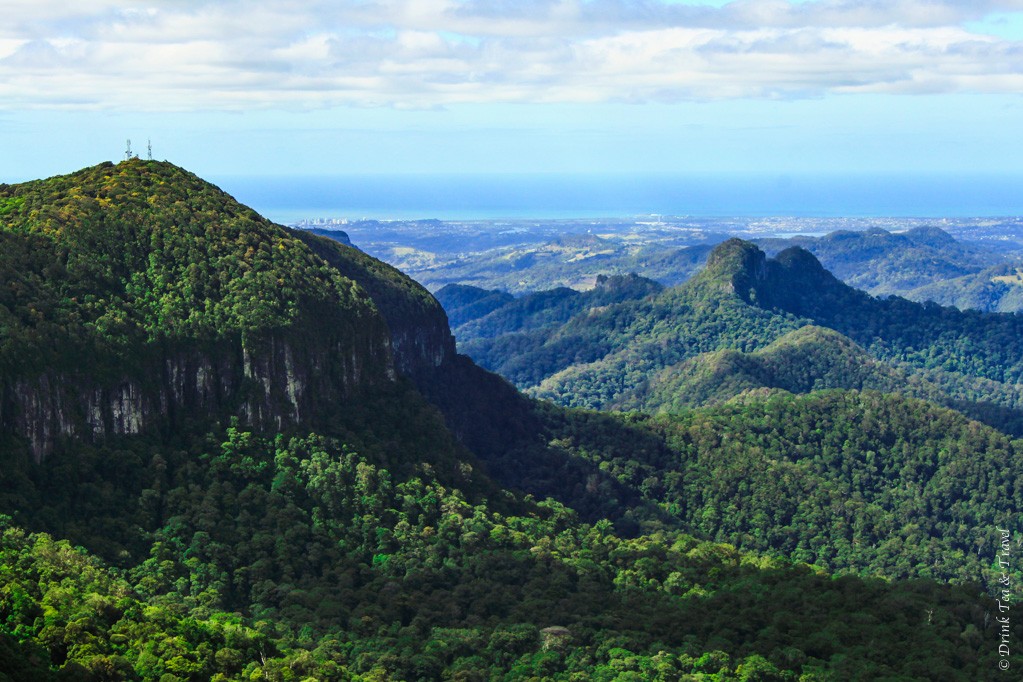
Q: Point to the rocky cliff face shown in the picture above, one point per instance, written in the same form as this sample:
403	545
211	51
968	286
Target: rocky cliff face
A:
269	385
421	347
736	266
421	338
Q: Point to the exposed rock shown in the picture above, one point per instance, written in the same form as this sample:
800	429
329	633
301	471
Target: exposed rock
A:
270	384
421	338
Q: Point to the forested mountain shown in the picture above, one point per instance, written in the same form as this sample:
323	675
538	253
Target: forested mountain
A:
489	314
998	289
808	359
539	261
851	480
233	451
881	262
922	335
463	302
629	354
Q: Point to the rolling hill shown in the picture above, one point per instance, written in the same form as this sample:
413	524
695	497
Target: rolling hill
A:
998	289
741	303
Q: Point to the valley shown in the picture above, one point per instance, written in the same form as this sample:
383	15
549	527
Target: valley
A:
236	450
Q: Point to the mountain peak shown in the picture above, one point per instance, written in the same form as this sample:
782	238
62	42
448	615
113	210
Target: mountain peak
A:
794	280
737	265
735	254
797	283
931	236
798	260
138	295
746	271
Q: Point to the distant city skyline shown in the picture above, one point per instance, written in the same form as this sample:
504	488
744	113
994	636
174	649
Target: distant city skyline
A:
768	88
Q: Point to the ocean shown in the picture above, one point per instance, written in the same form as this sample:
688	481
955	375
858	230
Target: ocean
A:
557	196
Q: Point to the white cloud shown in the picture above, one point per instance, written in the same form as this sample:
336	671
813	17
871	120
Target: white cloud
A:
179	55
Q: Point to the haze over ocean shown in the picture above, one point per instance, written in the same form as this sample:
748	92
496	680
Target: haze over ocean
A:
493	196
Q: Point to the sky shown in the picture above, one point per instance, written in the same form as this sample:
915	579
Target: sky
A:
279	88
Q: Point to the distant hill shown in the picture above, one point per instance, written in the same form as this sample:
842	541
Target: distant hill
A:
336	235
571	261
814	358
546	308
924	263
808	359
998	289
880	257
880	262
876	260
628	354
464	303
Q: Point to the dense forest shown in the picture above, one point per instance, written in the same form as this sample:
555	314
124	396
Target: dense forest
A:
234	451
998	289
881	262
476	313
854	481
732	328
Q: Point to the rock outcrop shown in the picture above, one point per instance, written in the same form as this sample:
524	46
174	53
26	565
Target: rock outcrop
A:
421	338
269	385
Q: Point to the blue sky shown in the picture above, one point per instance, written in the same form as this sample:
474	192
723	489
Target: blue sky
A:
445	86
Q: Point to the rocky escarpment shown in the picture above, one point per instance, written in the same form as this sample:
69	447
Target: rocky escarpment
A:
421	338
135	298
735	266
270	385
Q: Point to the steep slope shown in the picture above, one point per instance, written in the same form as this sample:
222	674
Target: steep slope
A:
464	303
135	297
166	310
529	322
538	311
420	337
